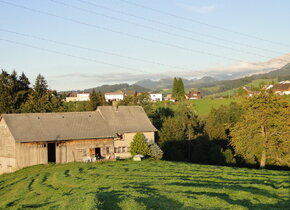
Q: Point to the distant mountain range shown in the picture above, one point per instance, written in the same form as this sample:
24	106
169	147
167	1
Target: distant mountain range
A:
117	87
205	84
167	83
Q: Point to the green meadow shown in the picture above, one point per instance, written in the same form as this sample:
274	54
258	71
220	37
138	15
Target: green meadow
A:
144	185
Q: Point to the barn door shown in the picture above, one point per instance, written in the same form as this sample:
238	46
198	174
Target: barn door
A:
51	155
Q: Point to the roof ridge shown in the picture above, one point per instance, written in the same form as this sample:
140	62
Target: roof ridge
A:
47	113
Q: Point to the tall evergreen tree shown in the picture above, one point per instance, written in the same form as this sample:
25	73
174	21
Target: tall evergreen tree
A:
180	89
4	94
174	88
94	103
40	86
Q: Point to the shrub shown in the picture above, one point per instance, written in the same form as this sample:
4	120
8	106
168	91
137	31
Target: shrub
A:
139	145
155	151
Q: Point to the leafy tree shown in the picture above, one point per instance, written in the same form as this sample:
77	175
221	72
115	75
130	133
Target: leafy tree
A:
183	126
263	132
220	121
139	146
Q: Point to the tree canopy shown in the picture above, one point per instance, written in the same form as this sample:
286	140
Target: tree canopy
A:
263	131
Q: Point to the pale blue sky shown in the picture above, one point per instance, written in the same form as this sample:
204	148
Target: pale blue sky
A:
266	19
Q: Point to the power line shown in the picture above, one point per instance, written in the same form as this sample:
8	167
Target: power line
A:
156	29
203	23
119	32
71	55
175	27
94	50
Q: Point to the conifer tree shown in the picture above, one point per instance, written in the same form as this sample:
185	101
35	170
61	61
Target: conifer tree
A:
180	90
93	100
174	88
139	146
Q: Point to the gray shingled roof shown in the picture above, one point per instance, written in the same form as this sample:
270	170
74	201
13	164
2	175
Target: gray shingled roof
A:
127	119
57	126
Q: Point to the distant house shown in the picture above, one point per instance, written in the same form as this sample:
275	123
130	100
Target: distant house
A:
115	96
193	95
39	138
78	97
168	97
156	97
283	88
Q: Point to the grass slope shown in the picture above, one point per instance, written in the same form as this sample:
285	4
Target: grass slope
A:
144	185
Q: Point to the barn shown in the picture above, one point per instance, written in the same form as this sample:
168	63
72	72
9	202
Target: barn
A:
40	138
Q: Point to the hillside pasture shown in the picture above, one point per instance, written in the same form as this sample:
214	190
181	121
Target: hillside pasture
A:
144	185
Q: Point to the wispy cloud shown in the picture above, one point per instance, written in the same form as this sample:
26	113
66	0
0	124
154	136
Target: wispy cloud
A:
204	9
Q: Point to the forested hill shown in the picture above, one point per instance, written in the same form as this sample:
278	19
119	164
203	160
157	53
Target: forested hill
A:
117	87
225	85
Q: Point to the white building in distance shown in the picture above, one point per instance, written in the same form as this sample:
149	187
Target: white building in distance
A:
156	96
114	96
78	97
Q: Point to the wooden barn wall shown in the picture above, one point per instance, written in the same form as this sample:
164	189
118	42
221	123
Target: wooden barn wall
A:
78	150
7	149
28	154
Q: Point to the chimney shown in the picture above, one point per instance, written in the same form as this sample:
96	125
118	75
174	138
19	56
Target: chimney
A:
115	105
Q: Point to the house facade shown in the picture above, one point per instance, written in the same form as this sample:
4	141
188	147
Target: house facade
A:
193	95
114	96
40	138
156	97
283	88
78	97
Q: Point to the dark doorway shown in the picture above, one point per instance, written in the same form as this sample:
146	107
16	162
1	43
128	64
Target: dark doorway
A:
98	152
51	152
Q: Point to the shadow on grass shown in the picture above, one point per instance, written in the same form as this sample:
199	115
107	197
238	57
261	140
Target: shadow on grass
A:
152	199
284	204
241	202
37	205
108	199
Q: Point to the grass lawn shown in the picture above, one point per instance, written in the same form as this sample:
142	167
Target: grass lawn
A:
144	185
203	106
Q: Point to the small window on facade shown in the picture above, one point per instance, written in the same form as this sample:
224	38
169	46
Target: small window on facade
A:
115	150
108	149
123	149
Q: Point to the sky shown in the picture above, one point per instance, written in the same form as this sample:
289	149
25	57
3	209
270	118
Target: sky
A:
78	44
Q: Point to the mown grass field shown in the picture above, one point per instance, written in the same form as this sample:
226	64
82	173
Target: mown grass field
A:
201	106
144	185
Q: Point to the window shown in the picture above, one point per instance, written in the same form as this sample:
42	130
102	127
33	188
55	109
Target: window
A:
123	149
108	149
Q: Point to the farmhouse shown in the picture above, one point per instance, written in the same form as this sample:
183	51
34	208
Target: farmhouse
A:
39	138
193	95
281	88
78	97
